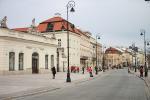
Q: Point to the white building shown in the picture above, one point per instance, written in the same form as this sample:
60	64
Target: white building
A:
37	48
80	43
22	52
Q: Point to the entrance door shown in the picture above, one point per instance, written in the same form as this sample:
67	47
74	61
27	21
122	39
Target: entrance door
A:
35	63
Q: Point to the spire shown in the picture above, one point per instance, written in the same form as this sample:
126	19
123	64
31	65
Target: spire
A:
3	22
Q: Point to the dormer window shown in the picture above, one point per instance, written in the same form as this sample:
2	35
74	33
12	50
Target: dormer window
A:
62	28
50	27
72	26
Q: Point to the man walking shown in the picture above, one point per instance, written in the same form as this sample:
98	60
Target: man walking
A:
53	72
96	70
83	69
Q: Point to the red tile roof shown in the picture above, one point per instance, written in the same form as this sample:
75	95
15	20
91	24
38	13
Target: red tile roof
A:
21	29
112	51
42	27
58	24
54	19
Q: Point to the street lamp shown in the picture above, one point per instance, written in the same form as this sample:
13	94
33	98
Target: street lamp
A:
70	5
103	59
96	67
145	67
135	49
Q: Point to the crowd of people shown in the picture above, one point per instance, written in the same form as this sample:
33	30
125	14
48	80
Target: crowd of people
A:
76	69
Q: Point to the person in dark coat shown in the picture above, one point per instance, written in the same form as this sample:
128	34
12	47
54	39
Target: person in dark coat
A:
53	72
83	69
96	70
141	71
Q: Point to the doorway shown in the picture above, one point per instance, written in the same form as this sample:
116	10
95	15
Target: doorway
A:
35	62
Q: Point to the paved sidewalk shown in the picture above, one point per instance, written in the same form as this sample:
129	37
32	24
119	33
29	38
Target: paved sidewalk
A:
12	86
146	80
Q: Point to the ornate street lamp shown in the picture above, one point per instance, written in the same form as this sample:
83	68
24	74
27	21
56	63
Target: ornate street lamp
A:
70	5
134	49
145	67
103	59
96	67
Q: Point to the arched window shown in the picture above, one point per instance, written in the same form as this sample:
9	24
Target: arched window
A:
21	63
11	61
52	60
46	61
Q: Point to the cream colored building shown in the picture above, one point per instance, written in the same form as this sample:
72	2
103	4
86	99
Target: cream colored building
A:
37	48
113	57
123	57
22	52
80	43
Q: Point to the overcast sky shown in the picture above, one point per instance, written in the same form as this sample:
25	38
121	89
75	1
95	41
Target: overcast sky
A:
117	21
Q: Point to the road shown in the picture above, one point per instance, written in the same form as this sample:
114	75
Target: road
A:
114	85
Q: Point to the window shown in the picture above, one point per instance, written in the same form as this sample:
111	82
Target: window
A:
62	28
59	42
72	26
21	61
52	60
46	61
50	27
11	61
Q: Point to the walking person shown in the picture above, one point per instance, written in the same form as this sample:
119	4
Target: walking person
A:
141	71
53	72
83	69
90	71
96	70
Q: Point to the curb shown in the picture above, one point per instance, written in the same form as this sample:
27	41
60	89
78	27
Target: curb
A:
27	93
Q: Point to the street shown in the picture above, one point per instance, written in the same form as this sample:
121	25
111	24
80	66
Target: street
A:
114	85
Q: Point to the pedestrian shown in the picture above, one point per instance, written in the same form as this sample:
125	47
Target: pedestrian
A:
78	69
83	69
53	72
90	71
96	70
141	71
128	70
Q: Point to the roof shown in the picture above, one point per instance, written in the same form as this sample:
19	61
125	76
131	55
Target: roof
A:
112	50
21	29
58	23
54	19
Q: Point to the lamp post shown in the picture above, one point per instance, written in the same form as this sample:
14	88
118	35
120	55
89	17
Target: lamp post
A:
70	5
103	59
135	49
96	67
145	66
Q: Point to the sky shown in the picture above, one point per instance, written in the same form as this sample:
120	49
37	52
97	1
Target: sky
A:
118	22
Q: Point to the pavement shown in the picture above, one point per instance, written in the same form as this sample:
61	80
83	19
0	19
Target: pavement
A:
13	86
112	85
146	80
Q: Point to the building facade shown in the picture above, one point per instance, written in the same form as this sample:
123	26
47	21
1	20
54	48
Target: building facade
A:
36	49
26	52
123	57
